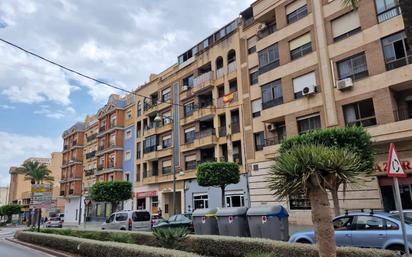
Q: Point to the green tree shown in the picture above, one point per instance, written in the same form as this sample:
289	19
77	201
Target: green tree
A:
35	172
9	209
312	169
218	174
112	192
354	139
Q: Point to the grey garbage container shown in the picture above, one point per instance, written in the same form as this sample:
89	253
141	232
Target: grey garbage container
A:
205	222
233	222
269	222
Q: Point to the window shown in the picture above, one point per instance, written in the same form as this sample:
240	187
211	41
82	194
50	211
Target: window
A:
387	9
272	94
267	30
235	201
149	144
391	225
369	223
345	26
167	118
128	134
220	91
138	153
251	45
395	50
188	81
308	123
128	114
113	119
344	223
300	46
296	11
121	216
167	167
259	141
360	113
299	201
127	155
166	94
253	76
112	139
233	86
189	109
141	216
354	67
111	219
167	141
200	201
256	108
190	135
190	162
268	58
139	109
303	81
127	177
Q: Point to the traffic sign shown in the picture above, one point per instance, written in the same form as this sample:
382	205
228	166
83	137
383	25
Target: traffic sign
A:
394	164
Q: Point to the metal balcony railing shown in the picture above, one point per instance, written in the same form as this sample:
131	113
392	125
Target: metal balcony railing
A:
206	133
389	13
272	141
402	114
231	67
235	127
222	131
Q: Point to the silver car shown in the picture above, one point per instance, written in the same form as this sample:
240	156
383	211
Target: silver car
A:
361	229
139	220
54	222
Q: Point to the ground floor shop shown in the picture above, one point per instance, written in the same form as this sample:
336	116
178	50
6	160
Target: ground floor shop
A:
73	211
147	198
198	197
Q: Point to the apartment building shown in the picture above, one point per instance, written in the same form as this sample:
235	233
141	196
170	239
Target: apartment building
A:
4	196
317	64
71	183
129	145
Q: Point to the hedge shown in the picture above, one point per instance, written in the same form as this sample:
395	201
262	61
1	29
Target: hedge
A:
223	246
93	248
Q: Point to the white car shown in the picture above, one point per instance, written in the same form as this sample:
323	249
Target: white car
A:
139	220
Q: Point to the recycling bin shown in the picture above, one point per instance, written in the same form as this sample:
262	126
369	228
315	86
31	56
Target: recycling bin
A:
269	222
233	222
205	222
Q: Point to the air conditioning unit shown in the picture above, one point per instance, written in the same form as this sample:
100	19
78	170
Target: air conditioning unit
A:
344	83
159	147
271	127
309	90
185	87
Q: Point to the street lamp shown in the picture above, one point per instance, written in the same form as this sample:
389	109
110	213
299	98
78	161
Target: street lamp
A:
175	154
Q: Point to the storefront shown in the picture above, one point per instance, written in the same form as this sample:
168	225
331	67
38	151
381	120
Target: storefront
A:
197	197
147	198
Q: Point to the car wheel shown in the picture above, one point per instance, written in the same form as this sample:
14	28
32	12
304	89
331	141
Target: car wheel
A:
303	241
122	229
397	248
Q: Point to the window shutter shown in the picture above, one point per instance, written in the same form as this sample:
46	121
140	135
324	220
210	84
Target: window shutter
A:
303	81
167	137
190	158
300	41
257	105
167	90
167	163
190	130
251	42
345	23
294	6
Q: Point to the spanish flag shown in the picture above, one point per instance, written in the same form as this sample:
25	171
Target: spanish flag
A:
228	98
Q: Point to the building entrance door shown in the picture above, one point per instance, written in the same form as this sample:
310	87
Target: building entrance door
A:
141	204
387	192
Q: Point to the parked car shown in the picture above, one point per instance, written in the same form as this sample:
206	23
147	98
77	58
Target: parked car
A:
139	220
178	220
54	222
406	213
362	229
156	219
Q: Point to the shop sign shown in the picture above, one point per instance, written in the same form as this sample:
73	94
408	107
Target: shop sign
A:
383	167
145	194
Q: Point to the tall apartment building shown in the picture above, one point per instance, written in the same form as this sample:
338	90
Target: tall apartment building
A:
71	183
4	195
282	68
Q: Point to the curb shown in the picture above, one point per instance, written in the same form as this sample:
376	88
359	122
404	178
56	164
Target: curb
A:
39	248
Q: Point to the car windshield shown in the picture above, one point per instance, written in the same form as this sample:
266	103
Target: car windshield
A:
408	219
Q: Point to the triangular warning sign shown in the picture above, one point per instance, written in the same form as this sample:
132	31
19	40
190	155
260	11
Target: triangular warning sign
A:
394	165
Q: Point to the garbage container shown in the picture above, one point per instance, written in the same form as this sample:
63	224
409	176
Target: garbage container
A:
205	222
233	222
269	222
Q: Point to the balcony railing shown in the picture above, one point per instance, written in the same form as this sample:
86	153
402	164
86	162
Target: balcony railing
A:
237	158
207	160
272	141
235	127
100	167
149	149
389	13
101	129
220	103
399	62
273	102
65	147
91	137
231	67
203	78
101	147
222	131
90	155
90	172
166	170
220	73
402	114
206	133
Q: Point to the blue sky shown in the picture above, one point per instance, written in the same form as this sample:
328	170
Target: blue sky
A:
120	42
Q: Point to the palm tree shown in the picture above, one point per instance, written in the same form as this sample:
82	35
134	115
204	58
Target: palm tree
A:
36	172
313	169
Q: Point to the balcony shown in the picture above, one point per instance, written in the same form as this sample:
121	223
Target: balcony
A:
65	148
102	129
271	147
222	131
109	169
402	114
100	167
111	128
158	153
90	172
203	81
237	158
231	67
235	127
158	129
207	109
110	148
388	14
220	73
91	155
91	138
272	103
220	102
155	106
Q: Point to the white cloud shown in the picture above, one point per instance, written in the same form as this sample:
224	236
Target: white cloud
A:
7	107
16	148
55	113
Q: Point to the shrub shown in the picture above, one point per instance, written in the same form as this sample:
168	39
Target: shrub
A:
93	248
259	254
171	238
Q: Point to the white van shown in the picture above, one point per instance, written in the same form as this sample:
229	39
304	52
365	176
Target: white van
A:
139	220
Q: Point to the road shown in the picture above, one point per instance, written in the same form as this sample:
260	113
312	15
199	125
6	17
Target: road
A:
10	249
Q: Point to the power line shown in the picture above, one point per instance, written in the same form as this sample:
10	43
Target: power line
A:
94	79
